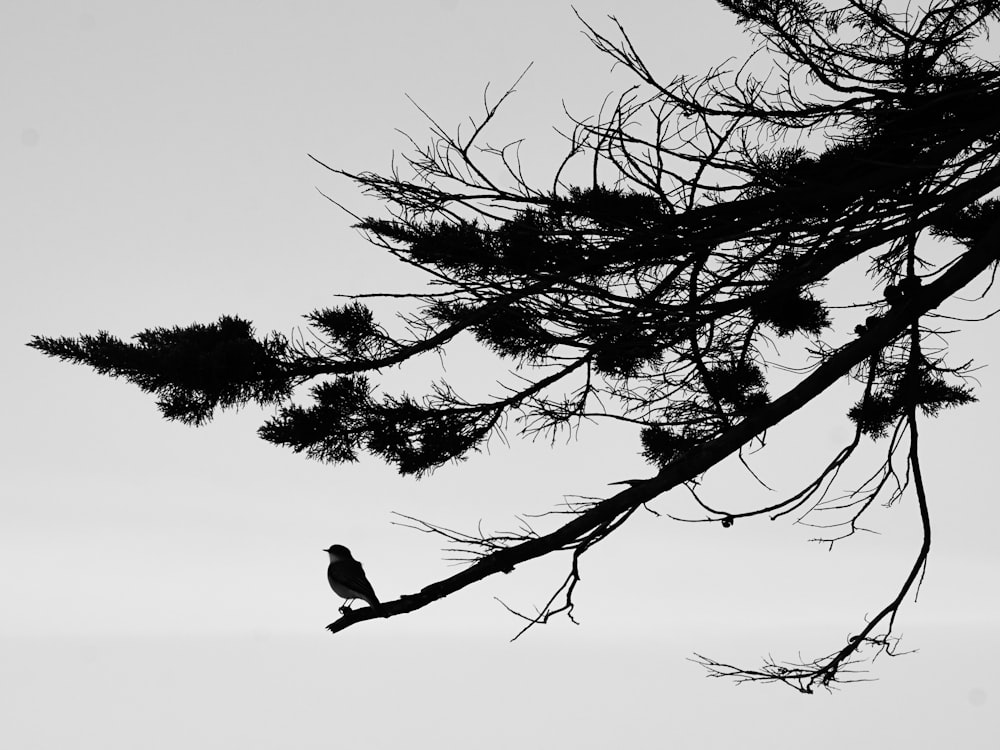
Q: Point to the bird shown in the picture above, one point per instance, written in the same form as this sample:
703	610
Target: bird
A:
347	577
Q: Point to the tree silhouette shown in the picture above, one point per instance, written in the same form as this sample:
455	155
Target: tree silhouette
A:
655	288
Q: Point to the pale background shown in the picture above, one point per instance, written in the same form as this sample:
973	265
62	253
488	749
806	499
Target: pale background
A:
163	587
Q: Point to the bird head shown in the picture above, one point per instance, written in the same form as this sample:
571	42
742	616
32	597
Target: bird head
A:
338	552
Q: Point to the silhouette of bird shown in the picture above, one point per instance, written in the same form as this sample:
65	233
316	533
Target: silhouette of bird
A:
347	577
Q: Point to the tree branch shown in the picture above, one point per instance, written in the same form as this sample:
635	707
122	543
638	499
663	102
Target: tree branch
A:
977	259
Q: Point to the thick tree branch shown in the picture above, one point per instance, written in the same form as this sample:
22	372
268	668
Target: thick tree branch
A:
977	259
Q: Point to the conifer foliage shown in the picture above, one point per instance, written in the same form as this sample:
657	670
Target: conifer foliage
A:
663	288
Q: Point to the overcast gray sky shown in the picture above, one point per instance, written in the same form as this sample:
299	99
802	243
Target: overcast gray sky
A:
163	586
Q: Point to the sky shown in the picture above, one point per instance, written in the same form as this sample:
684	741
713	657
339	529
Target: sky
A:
164	585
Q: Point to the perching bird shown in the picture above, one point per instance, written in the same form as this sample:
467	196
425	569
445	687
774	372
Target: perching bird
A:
347	577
